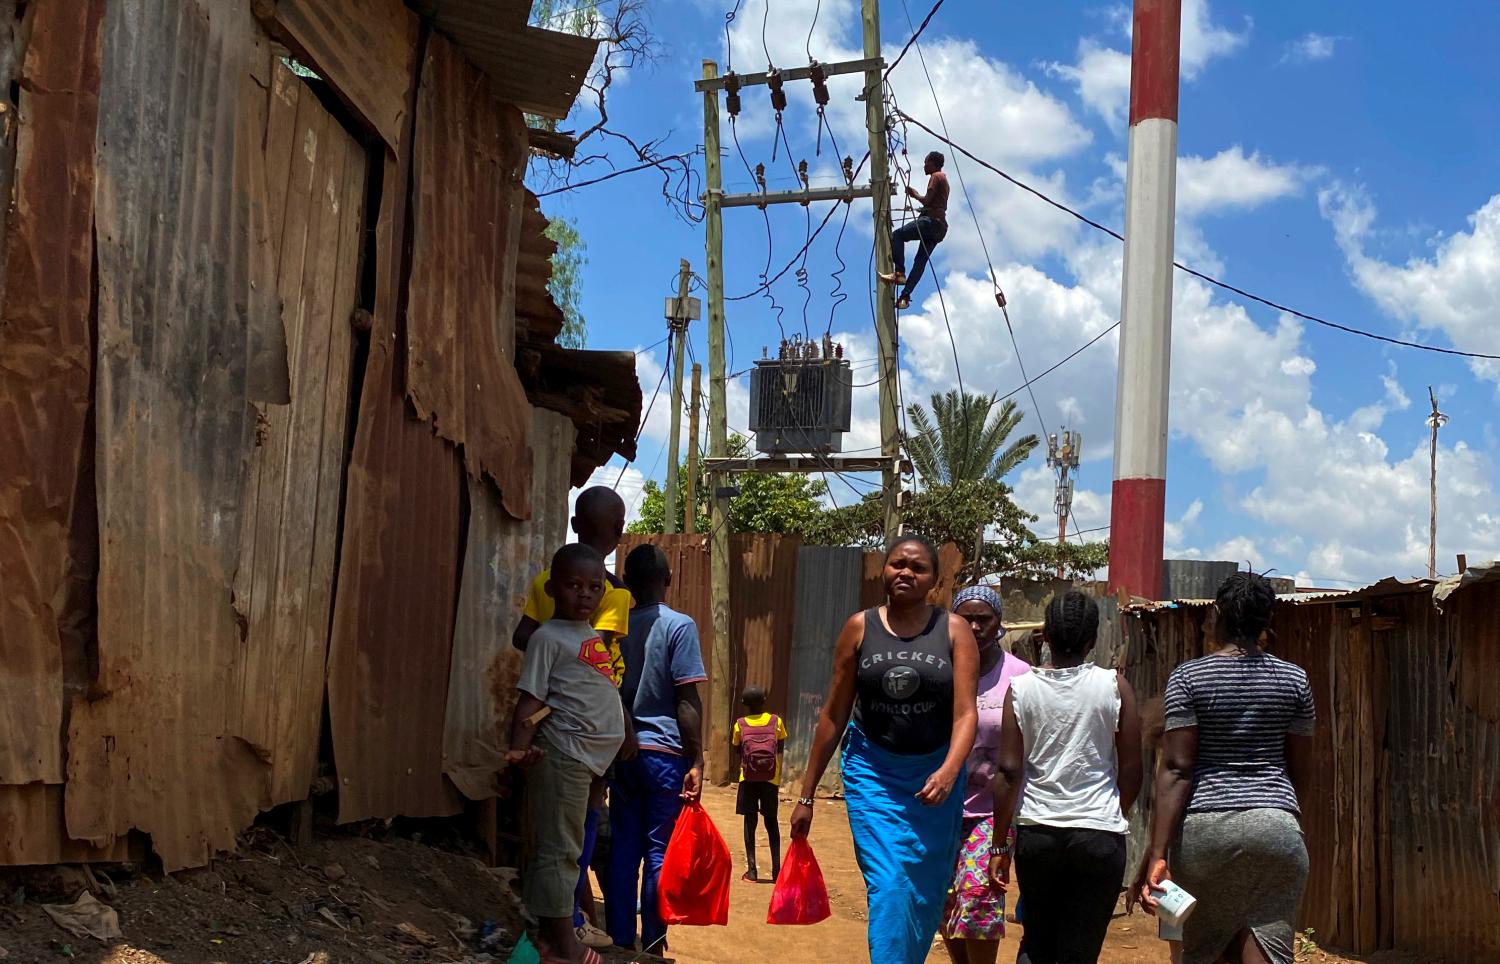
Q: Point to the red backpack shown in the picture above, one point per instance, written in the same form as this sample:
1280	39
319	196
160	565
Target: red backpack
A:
758	750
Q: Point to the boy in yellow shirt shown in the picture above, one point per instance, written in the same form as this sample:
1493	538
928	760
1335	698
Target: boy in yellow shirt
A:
599	522
761	738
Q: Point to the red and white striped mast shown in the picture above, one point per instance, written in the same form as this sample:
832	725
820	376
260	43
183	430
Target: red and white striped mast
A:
1138	510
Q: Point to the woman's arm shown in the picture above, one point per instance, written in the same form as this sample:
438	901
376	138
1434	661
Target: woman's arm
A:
965	712
1006	788
1174	787
1128	746
1299	764
833	720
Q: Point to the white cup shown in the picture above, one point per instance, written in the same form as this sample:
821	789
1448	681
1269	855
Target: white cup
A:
1173	904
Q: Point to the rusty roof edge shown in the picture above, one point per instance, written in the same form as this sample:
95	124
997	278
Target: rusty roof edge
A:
1472	576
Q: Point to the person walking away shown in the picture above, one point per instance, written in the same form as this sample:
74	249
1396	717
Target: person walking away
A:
1071	730
902	700
599	522
761	740
566	681
1237	759
974	916
663	667
928	229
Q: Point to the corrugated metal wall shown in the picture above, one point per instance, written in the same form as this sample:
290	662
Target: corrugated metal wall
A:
283	589
762	602
829	582
1403	815
501	557
190	334
690	592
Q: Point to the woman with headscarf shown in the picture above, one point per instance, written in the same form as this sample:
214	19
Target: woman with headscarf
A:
905	672
974	917
1238	748
1071	729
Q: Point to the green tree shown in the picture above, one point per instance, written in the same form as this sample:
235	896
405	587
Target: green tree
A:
566	284
964	438
767	502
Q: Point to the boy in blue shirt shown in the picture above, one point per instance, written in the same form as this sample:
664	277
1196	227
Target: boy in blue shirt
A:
663	667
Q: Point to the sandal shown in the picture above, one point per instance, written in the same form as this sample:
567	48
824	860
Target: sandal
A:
903	303
589	956
894	278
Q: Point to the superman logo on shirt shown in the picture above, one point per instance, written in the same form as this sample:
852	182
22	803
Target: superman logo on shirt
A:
595	653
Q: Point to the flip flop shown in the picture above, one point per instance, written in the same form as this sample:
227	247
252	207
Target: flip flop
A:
903	303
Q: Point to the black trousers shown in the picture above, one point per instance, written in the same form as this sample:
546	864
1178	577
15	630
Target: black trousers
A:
1071	879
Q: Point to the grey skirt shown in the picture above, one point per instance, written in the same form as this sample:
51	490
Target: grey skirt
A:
1247	868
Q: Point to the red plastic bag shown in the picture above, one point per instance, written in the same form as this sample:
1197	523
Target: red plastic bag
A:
694	883
800	896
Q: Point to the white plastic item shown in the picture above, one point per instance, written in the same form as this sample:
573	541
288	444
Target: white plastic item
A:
1173	904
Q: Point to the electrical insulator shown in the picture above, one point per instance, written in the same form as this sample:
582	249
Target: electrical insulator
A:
778	95
849	170
802	173
820	84
760	176
732	93
838	351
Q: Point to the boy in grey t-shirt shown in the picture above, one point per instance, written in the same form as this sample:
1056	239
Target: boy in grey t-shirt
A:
567	672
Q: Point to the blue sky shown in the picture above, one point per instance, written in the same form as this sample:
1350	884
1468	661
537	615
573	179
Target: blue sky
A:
1340	158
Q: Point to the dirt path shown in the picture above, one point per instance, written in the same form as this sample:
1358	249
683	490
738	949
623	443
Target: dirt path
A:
749	940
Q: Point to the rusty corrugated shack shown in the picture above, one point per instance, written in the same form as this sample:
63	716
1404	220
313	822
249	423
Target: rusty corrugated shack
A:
1403	820
286	429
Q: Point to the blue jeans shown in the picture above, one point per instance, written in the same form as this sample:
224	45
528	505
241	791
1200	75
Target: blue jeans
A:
644	801
585	860
928	234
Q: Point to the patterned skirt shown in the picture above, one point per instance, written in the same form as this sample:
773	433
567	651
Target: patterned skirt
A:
975	910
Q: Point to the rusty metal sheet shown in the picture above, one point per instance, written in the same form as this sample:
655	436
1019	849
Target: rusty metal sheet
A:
539	71
828	593
397	586
762	603
46	376
188	335
538	318
365	49
469	154
284	584
1443	786
501	557
32	831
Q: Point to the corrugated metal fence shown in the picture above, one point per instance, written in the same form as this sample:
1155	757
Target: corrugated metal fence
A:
1403	817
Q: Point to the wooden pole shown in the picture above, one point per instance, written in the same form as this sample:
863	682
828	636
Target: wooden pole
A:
690	493
678	325
1435	420
721	672
885	304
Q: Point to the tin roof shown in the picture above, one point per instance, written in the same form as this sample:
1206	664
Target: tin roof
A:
540	71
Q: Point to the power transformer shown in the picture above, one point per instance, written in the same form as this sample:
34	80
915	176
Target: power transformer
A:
800	400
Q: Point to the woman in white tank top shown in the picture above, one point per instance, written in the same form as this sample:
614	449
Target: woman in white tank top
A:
1071	733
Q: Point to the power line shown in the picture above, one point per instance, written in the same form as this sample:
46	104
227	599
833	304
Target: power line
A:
916	34
658	162
1201	276
644	418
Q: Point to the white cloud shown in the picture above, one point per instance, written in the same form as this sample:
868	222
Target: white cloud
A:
1101	74
1309	48
1233	180
1455	291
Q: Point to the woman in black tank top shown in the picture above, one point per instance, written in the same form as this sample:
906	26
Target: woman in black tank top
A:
906	674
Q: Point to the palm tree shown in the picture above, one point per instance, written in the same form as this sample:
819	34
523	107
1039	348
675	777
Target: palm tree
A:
964	439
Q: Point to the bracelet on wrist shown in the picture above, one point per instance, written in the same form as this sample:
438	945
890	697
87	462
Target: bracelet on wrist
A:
806	801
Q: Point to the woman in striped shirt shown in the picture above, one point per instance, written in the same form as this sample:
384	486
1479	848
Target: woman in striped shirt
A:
1238	745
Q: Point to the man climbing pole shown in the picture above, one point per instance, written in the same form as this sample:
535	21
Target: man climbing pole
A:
928	230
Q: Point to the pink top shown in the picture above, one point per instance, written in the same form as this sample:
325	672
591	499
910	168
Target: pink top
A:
985	756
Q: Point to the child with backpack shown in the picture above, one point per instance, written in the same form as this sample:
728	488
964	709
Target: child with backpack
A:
761	738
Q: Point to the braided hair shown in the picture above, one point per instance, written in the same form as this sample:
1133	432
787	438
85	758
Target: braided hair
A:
1072	623
1244	601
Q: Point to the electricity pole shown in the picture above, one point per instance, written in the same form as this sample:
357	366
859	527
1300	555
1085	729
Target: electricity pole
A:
690	491
679	313
1435	421
1063	458
885	304
721	668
